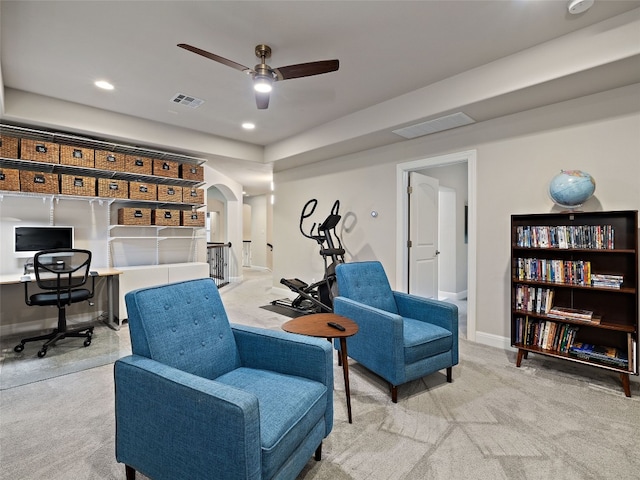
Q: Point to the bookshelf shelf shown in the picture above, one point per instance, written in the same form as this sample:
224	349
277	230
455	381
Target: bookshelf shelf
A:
583	265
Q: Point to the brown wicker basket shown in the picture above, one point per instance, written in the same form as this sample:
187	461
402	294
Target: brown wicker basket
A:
10	179
192	172
137	164
193	195
191	219
169	193
77	185
134	216
108	187
110	161
77	156
143	191
39	182
39	151
165	168
8	147
164	217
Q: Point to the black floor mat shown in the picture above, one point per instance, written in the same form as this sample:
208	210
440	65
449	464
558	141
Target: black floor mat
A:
282	310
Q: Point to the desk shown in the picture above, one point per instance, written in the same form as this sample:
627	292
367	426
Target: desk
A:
315	325
12	279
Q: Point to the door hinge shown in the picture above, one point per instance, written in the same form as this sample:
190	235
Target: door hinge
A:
409	244
409	189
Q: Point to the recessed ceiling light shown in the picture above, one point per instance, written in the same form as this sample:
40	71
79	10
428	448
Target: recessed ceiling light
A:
104	85
248	125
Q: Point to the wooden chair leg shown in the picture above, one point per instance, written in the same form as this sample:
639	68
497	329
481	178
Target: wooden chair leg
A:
394	393
318	455
449	374
626	386
339	358
130	471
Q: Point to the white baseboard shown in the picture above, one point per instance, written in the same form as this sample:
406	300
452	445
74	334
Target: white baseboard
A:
261	269
452	295
492	340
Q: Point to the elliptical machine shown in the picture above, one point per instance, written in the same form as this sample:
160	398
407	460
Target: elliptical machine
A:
317	297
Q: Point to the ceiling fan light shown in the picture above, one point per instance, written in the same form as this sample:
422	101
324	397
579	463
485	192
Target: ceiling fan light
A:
262	84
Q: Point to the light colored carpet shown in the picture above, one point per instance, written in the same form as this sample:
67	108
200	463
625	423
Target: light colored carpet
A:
547	419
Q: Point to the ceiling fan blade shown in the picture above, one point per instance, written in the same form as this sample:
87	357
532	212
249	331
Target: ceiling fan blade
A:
216	58
306	69
262	100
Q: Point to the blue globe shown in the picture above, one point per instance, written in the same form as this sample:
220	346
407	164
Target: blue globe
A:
571	188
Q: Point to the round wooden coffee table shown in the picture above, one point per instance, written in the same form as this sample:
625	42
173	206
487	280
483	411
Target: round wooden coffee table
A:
315	325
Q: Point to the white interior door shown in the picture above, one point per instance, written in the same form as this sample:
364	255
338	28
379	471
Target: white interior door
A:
423	235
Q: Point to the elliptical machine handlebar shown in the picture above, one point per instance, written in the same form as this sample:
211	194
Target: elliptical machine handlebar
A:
329	223
306	214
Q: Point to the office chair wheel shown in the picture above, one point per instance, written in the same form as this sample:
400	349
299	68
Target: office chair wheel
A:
42	353
87	342
18	348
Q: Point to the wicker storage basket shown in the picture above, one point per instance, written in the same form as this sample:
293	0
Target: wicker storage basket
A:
110	161
169	193
8	147
164	217
193	195
39	182
191	219
143	191
134	216
192	172
77	185
108	187
10	179
137	164
77	156
165	168
39	151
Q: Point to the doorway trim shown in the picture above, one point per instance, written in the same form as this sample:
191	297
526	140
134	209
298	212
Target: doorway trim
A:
402	182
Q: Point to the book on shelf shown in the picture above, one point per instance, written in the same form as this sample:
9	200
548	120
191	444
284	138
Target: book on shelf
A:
606	280
545	334
598	237
573	314
603	354
571	272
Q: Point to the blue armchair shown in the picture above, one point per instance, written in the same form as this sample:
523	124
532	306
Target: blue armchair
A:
200	398
401	337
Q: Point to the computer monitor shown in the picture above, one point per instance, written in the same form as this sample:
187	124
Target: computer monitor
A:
28	240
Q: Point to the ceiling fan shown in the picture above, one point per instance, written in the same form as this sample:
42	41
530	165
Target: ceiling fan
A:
263	75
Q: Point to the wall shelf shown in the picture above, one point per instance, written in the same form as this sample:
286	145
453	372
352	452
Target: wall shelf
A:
68	139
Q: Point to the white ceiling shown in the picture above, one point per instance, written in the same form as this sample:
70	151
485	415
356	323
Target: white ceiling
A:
386	49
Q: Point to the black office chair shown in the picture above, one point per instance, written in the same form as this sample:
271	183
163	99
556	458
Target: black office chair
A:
60	273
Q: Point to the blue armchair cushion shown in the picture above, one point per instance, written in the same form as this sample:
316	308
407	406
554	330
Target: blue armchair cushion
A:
368	285
289	407
190	331
423	340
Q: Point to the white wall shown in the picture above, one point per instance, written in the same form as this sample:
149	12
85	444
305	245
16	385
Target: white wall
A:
258	229
516	157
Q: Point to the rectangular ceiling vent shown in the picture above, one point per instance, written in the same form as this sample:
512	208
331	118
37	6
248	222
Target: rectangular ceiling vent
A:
440	124
187	100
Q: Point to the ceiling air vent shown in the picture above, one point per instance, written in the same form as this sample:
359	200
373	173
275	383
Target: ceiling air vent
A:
440	124
187	100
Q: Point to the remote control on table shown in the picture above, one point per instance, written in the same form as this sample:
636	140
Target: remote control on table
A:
337	326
